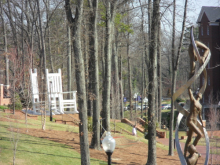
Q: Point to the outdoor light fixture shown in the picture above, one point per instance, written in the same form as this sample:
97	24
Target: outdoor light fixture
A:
108	145
145	101
135	97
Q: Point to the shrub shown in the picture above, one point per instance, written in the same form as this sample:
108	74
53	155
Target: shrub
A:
175	119
146	127
180	100
90	124
18	105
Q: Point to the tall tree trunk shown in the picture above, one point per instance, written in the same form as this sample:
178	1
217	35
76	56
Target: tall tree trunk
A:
143	58
129	70
121	86
87	36
171	145
22	39
107	78
5	47
95	142
175	64
115	76
129	78
159	73
152	72
103	54
75	25
69	59
145	47
43	54
49	51
13	26
149	18
49	40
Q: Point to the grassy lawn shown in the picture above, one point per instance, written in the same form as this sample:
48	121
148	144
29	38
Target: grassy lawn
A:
34	151
37	151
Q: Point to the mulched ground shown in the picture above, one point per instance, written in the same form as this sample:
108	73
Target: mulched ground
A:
127	152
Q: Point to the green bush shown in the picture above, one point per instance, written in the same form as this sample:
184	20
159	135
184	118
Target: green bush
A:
175	119
146	127
180	100
90	124
18	105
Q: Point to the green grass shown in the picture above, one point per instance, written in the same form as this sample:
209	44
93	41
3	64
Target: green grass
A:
37	151
3	107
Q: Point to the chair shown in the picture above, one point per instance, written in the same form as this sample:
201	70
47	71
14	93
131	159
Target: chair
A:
36	103
56	95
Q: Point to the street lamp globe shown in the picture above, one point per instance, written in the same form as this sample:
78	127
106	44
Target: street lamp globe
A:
135	95
108	145
145	100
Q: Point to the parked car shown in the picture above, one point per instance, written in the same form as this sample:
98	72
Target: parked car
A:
138	107
166	106
125	108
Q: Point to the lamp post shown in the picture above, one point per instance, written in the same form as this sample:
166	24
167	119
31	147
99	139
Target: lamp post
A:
135	97
108	145
145	101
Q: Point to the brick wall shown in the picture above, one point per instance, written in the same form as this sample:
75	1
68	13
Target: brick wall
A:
212	40
3	100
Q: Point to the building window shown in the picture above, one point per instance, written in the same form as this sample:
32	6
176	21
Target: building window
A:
202	30
207	29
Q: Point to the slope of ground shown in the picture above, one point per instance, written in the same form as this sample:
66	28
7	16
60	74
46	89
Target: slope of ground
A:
129	151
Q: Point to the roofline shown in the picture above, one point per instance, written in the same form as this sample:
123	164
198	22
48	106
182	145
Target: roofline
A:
200	15
202	12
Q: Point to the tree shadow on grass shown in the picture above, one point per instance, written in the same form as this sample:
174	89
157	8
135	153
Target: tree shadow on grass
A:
41	153
54	144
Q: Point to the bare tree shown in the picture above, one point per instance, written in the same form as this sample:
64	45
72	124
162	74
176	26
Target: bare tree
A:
14	138
5	46
144	52
152	72
43	57
94	74
175	65
213	114
47	5
110	12
75	25
129	71
159	72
